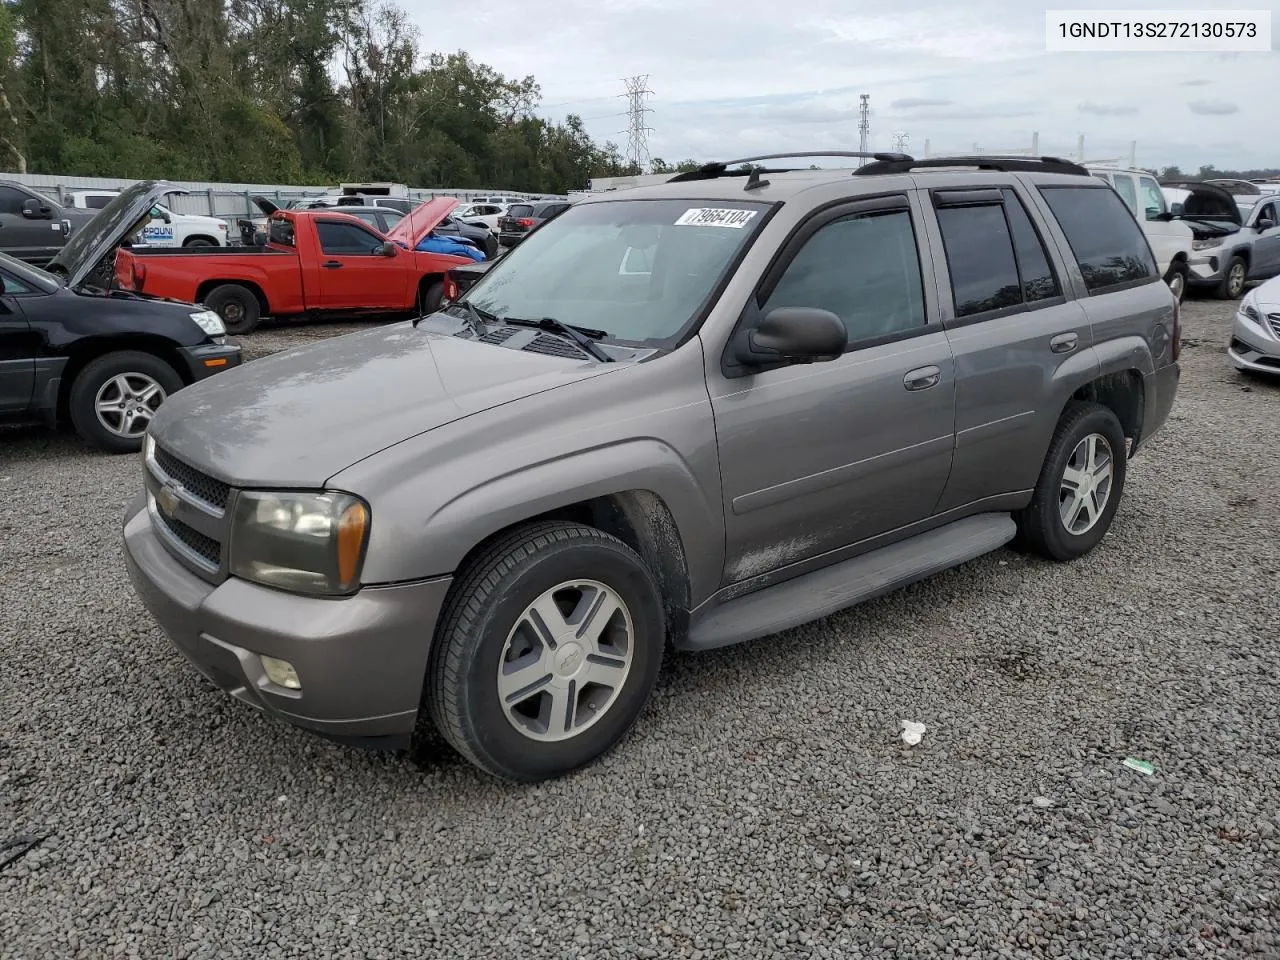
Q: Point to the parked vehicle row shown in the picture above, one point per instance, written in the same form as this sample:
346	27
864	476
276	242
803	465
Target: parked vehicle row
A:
697	413
1229	249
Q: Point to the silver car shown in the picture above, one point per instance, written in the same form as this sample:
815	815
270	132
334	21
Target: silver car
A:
1255	338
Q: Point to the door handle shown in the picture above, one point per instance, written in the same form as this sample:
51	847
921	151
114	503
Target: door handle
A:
922	378
332	265
1064	342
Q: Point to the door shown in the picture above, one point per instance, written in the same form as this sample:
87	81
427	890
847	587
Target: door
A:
17	349
1266	245
817	458
1010	328
35	240
354	274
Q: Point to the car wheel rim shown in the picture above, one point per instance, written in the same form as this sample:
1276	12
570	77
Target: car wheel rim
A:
126	403
1236	281
566	660
1086	484
1176	283
233	313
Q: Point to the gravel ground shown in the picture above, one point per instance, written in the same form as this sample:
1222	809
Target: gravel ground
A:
765	806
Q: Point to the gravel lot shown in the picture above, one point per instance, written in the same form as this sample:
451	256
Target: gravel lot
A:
766	804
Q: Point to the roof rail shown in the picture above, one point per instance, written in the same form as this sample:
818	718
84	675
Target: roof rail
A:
710	171
1002	164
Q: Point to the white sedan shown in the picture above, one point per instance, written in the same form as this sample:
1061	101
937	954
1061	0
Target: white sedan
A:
1255	337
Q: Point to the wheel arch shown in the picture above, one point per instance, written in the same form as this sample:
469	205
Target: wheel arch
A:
1123	392
201	236
208	286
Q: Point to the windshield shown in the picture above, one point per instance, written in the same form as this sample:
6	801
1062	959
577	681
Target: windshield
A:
28	275
640	270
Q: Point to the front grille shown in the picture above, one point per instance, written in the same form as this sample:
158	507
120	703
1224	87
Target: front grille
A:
1273	319
204	547
211	491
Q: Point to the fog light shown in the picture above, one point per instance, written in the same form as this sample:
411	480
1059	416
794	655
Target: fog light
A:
281	673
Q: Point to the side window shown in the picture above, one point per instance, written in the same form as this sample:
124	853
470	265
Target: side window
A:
346	239
11	201
863	268
1107	242
1124	187
391	218
13	287
97	203
1153	204
984	274
1038	280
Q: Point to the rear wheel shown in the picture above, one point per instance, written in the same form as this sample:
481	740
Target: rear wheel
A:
1080	485
1233	279
115	396
199	242
547	652
236	305
1176	278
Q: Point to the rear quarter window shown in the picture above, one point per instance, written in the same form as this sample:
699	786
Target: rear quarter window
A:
1105	239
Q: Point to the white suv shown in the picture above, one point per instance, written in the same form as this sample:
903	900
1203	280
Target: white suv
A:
166	229
1171	240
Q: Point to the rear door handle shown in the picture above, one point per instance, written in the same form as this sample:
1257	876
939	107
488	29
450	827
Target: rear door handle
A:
332	265
1064	342
922	378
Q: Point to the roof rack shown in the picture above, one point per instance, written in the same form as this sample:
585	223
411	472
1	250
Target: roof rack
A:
711	171
1001	164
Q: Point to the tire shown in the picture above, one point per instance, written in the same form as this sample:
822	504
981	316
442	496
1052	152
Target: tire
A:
430	298
123	377
236	305
1234	278
490	246
487	623
199	242
1042	526
1176	278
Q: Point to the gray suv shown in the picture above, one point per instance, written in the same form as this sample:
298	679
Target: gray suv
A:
683	415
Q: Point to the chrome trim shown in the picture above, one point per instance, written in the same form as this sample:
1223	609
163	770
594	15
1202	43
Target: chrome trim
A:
199	503
173	543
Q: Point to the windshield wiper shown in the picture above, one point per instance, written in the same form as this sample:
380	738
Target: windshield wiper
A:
584	337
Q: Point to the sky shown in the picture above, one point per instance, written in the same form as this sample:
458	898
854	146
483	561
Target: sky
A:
733	78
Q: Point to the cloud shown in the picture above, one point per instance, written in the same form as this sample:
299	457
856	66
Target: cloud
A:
1213	108
1107	110
912	103
1196	83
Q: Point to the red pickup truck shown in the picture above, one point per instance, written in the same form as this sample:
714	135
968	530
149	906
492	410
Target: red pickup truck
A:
314	263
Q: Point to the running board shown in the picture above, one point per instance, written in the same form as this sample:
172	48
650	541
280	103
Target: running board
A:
826	591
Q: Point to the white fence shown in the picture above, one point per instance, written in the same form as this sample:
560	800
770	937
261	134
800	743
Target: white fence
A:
229	201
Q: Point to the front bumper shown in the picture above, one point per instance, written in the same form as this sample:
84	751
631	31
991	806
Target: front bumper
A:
1255	347
361	660
210	358
1205	269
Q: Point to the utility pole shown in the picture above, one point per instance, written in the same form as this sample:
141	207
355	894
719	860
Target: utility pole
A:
637	129
864	126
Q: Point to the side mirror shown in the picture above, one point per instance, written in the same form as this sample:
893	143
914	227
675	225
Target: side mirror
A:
35	210
795	335
1265	224
1176	210
388	249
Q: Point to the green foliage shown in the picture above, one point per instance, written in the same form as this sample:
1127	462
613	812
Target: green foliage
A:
270	91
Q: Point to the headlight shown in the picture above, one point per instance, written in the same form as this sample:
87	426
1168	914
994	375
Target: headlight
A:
1208	244
304	542
1250	312
209	322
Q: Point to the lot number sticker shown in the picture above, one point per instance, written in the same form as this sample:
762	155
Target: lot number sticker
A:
715	217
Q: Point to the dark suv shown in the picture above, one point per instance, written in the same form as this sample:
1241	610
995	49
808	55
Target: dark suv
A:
523	218
694	414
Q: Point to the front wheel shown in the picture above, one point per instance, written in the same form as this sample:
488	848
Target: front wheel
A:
1233	280
115	396
430	296
1080	485
546	653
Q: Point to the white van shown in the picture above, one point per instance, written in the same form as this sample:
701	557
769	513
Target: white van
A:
1170	239
166	229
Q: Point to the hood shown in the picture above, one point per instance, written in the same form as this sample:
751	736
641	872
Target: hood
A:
258	424
1207	201
267	207
96	240
424	218
1267	296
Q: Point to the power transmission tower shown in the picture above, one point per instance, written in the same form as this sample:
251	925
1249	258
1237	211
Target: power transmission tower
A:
864	125
900	141
637	129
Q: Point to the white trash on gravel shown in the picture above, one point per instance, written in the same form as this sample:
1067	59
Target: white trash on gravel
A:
912	732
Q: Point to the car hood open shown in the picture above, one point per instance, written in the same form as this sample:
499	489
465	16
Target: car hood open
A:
124	216
1207	201
297	418
420	221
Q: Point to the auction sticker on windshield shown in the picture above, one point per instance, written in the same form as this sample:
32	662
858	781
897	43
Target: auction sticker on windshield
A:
715	217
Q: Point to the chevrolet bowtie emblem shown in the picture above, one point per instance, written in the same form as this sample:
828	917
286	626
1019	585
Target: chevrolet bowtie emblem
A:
167	499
